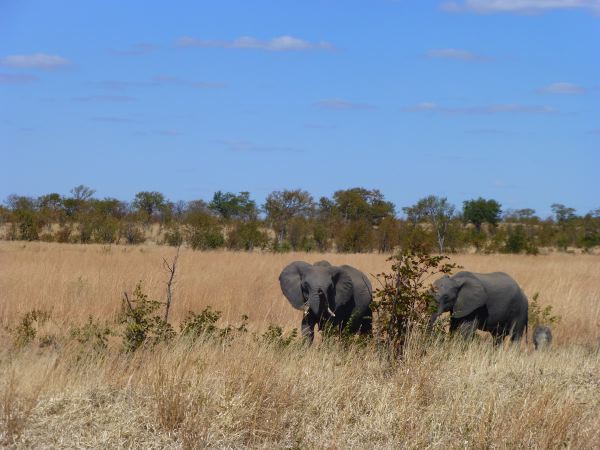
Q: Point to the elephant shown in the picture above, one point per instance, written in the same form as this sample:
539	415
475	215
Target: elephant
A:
336	295
542	336
491	302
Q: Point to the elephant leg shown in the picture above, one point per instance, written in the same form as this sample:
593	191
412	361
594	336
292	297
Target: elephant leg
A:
366	326
308	326
465	326
499	337
518	331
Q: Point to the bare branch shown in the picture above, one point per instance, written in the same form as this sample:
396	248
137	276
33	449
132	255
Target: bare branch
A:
171	268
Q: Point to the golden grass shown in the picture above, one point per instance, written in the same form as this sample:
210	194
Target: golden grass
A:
250	395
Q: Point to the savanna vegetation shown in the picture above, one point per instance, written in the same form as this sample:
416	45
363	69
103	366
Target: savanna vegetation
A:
354	220
90	356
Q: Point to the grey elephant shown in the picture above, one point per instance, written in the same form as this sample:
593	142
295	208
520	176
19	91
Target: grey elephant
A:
542	336
336	295
491	302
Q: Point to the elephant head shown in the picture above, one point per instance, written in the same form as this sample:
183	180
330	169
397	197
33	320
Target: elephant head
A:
320	287
460	294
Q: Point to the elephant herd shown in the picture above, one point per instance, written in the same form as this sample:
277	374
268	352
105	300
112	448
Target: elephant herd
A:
341	296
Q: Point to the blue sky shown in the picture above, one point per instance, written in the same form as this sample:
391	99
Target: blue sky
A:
493	98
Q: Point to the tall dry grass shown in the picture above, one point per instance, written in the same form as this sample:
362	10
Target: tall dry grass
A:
246	394
75	281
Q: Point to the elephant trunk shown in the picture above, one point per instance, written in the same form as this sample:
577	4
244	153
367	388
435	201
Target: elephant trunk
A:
318	303
432	320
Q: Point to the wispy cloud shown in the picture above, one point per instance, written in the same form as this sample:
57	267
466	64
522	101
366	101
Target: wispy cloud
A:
277	44
339	104
241	145
16	78
135	50
169	79
105	98
112	119
456	54
506	108
519	6
562	88
168	132
160	80
35	61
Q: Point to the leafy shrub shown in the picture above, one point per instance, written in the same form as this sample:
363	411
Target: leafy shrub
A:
404	301
173	237
355	237
539	315
92	335
247	236
63	235
281	246
204	233
142	325
275	336
204	324
28	226
27	329
105	231
518	241
132	234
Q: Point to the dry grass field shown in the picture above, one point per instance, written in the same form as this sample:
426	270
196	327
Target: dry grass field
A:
245	394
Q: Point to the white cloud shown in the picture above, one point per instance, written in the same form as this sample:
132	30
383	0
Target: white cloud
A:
455	54
502	108
278	44
563	88
35	61
16	78
338	104
519	6
419	107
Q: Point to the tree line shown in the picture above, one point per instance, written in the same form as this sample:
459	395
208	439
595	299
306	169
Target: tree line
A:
351	220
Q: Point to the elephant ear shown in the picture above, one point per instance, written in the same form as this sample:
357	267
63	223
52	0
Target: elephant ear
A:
344	286
471	295
290	281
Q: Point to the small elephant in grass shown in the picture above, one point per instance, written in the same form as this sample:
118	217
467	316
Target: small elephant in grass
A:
334	295
491	302
542	337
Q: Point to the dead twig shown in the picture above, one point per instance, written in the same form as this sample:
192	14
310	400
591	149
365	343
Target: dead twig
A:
170	268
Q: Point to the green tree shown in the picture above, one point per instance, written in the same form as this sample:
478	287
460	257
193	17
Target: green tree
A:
148	203
355	237
362	204
481	211
525	215
281	206
231	206
562	213
437	211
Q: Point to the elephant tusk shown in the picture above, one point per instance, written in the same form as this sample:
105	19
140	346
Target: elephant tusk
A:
331	313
